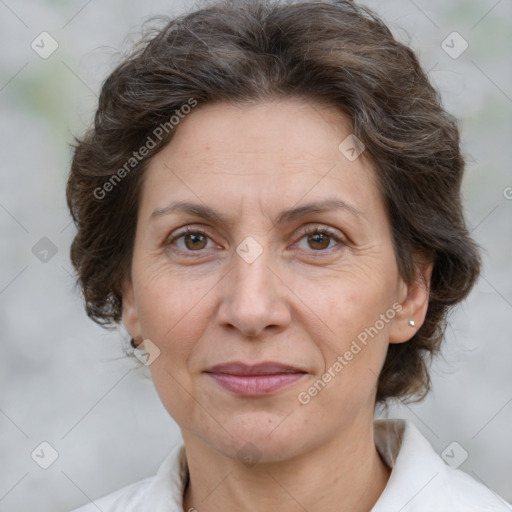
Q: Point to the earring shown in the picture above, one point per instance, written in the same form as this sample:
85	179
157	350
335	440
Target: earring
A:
412	323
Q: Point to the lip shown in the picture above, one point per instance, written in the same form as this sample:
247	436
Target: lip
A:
255	380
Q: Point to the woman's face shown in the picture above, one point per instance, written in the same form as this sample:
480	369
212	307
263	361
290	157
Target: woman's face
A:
251	282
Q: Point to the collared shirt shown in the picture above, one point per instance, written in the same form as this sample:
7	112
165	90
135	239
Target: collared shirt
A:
420	480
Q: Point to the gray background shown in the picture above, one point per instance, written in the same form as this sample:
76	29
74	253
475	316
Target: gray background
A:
65	381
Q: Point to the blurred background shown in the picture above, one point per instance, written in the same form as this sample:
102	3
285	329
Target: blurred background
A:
66	382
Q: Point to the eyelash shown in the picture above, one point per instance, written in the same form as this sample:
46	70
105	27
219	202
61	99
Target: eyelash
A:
306	232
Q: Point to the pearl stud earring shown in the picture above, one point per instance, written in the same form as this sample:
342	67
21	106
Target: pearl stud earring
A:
412	323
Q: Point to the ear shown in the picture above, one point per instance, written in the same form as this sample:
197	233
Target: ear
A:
414	304
130	313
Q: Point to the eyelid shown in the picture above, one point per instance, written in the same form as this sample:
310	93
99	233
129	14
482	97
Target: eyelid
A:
312	229
185	231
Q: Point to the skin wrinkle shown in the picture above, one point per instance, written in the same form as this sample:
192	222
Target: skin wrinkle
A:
281	307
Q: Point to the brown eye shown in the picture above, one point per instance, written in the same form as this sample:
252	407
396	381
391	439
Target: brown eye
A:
189	241
195	241
319	241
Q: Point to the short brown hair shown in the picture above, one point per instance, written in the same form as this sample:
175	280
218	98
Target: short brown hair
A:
333	52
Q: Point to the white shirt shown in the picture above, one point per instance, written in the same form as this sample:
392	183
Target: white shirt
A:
420	480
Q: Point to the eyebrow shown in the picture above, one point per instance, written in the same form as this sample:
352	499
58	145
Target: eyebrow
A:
212	215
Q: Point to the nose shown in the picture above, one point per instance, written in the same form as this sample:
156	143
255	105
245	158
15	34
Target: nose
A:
253	297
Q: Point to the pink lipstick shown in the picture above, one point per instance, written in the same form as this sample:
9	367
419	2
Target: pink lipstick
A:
255	380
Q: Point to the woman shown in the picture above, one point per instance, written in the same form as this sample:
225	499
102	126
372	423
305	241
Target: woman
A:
269	200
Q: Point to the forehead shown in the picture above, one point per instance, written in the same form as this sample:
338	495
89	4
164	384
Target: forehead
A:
297	130
273	152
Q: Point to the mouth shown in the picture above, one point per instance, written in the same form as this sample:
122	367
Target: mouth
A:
255	380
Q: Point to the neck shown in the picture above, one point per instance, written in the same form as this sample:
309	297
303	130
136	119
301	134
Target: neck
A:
346	473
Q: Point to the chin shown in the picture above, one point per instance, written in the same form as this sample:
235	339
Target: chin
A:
260	437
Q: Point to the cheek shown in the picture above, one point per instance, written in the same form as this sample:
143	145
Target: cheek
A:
349	303
174	390
355	344
348	382
172	316
167	301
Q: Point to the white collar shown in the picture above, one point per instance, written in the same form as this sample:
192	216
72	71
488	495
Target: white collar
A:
420	480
